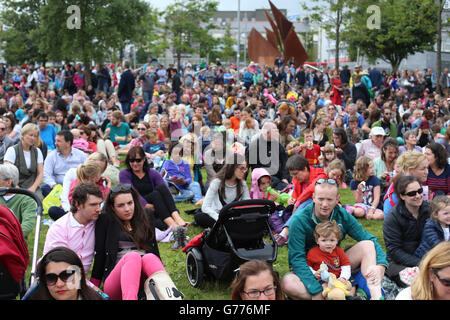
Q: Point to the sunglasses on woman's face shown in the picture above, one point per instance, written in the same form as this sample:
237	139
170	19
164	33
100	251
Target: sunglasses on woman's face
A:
121	187
444	282
52	278
135	160
413	193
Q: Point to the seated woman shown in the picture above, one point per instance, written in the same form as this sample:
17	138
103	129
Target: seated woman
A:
126	251
411	163
153	191
403	227
140	140
179	172
228	186
384	165
256	280
438	180
28	158
62	277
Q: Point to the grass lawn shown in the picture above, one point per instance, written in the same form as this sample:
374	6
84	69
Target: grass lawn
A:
174	261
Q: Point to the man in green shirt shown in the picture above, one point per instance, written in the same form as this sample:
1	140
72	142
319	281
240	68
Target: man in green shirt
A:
366	254
117	130
23	206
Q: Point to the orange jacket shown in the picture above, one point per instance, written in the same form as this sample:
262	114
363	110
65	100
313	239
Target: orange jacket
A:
304	191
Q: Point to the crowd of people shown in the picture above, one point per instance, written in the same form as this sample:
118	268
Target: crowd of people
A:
197	134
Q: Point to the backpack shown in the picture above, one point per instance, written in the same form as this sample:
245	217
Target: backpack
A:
159	286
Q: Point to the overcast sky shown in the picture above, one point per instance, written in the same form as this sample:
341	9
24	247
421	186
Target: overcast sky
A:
292	6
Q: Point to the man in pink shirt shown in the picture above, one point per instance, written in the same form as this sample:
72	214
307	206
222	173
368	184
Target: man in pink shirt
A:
372	147
76	229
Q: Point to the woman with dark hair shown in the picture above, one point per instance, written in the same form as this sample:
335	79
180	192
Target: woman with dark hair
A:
126	251
439	170
256	280
403	226
228	186
62	277
153	191
384	165
345	150
12	127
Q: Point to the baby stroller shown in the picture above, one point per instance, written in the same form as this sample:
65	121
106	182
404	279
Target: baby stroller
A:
14	256
237	237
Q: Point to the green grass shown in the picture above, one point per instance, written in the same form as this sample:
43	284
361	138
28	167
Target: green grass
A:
174	261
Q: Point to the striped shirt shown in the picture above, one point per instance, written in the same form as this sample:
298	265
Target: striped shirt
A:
441	182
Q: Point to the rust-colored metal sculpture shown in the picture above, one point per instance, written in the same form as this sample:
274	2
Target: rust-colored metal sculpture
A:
281	42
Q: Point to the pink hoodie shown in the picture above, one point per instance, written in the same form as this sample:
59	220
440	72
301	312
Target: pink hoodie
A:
257	173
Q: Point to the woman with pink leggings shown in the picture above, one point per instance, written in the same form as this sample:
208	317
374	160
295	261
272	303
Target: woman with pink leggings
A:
126	250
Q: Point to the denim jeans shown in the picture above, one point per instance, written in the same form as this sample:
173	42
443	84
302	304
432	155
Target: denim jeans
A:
193	192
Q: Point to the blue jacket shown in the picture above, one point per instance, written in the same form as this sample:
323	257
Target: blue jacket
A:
431	236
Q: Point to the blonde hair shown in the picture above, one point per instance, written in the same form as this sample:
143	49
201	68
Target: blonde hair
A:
31	128
437	204
98	156
409	160
327	228
88	170
361	168
436	259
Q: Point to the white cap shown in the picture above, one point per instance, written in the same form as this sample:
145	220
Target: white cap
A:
377	131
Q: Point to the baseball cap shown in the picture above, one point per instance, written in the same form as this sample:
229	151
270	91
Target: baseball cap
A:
377	131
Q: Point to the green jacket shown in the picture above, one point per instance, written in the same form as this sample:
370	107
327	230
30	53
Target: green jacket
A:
301	240
392	128
24	208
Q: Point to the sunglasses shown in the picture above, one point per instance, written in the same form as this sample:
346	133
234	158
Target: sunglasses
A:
121	187
142	129
52	278
329	181
135	160
444	282
413	193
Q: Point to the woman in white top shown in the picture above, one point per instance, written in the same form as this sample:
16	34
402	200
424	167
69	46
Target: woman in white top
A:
31	170
228	186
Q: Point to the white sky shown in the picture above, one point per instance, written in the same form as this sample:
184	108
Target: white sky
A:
293	7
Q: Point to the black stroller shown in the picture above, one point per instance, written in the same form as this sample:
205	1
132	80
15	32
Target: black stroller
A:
237	237
14	256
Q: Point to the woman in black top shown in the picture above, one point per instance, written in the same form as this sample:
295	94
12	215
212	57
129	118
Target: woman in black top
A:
126	251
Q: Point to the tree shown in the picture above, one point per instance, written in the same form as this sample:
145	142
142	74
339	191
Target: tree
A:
187	25
20	34
333	16
406	27
104	26
227	42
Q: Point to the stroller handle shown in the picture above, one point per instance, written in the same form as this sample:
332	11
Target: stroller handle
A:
251	202
39	210
27	192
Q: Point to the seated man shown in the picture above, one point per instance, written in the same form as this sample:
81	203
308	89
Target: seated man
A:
117	130
60	161
366	254
23	206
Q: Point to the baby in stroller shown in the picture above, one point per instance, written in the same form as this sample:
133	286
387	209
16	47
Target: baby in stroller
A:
261	180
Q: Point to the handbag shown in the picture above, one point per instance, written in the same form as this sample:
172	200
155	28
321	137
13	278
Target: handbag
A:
159	286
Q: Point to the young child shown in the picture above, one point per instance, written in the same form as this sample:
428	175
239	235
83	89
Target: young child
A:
154	148
328	155
310	150
327	236
261	179
205	137
366	189
336	170
437	226
248	130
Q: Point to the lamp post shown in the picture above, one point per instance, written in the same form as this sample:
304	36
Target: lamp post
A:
239	38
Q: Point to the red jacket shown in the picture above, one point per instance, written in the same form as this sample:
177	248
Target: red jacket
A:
304	191
13	248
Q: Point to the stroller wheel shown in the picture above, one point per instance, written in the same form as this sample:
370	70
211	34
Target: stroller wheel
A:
194	269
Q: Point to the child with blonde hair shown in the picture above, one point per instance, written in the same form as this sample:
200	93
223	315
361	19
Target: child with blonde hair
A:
366	189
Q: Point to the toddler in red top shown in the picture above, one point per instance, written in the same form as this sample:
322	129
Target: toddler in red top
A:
327	235
310	150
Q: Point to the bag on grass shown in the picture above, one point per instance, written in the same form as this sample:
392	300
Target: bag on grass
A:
159	286
52	199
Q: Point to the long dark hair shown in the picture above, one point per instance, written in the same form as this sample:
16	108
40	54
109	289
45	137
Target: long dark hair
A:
227	172
132	153
61	254
141	230
440	153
